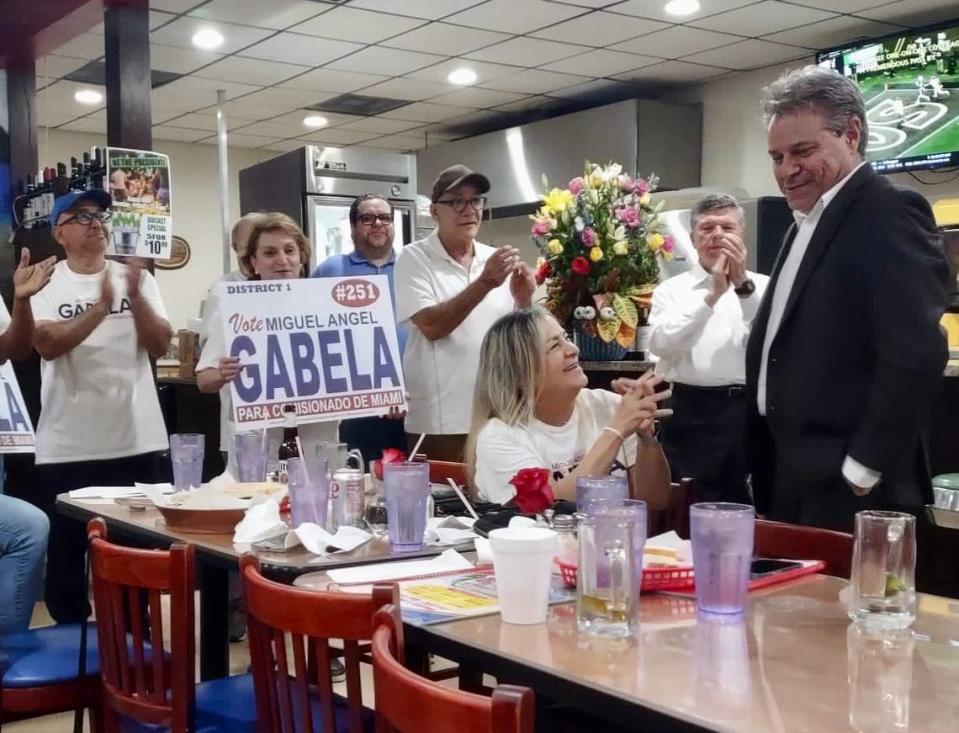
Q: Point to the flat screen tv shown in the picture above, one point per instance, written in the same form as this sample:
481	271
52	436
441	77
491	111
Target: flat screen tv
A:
910	82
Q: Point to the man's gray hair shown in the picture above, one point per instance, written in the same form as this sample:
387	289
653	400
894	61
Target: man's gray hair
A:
825	90
715	202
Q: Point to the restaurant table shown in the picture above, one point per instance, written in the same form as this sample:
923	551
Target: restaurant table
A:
216	557
793	663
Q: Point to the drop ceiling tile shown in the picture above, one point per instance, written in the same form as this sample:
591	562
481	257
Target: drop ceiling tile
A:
384	61
296	48
175	6
600	29
445	38
676	42
86	124
56	102
515	16
180	60
239	140
524	50
595	4
423	112
673	72
765	17
179	32
477	98
337	136
535	81
192	92
202	121
276	14
399	143
656	11
411	89
433	134
841	6
428	9
594	90
295	118
330	80
179	134
276	128
832	32
913	13
534	102
52	66
85	46
285	146
600	62
484	71
379	125
749	54
268	103
360	26
251	71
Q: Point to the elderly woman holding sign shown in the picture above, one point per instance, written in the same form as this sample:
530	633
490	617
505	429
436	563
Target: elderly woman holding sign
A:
275	250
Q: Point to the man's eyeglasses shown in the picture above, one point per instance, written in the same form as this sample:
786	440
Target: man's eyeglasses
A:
369	220
477	203
87	218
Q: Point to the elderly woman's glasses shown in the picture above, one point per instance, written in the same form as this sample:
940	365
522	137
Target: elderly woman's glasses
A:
88	217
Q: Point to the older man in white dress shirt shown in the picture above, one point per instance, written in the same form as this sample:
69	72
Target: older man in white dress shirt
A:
700	323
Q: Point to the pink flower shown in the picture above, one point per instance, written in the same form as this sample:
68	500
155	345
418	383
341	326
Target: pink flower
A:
625	182
640	187
629	216
668	243
576	185
589	237
541	227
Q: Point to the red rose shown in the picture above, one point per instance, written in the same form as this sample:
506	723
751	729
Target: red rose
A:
533	492
543	272
390	455
580	266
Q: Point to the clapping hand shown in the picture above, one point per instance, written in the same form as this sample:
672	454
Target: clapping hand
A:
134	274
28	280
501	264
522	284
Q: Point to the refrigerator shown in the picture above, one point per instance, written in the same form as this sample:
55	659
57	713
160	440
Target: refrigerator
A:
315	185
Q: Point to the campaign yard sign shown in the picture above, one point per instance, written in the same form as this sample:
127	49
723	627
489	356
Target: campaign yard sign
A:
327	346
16	430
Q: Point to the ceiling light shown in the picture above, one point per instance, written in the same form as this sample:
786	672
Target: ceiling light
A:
315	121
682	7
207	39
462	76
88	96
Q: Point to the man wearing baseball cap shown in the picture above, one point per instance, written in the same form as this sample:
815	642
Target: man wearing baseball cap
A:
449	289
98	322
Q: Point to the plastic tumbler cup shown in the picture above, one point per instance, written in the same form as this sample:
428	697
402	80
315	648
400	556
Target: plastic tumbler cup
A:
251	454
591	488
309	487
186	455
522	565
722	537
407	488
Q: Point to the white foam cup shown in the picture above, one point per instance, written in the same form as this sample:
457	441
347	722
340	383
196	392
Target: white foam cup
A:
523	565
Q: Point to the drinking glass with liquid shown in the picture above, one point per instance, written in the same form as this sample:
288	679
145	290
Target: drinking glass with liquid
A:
186	457
884	570
722	538
607	598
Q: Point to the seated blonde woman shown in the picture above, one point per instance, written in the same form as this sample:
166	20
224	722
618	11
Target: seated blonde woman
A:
531	409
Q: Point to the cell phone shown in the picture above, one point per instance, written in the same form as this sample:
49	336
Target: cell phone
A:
763	566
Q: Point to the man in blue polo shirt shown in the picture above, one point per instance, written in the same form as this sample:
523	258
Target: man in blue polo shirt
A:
371	225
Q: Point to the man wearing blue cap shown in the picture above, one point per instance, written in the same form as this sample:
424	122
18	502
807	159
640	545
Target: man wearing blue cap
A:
98	322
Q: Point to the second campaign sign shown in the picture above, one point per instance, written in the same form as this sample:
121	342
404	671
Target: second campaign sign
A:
326	345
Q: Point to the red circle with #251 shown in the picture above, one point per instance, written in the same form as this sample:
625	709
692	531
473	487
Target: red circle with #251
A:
355	293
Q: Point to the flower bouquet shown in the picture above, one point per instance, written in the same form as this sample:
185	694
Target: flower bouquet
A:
600	243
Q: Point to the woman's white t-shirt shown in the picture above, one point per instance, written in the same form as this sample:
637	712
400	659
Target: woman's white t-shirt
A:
502	450
99	400
213	350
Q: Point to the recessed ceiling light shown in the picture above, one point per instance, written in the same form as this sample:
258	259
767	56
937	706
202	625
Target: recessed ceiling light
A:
315	121
462	76
207	39
682	7
88	96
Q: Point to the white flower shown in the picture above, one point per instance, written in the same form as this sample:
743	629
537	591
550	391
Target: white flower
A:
612	172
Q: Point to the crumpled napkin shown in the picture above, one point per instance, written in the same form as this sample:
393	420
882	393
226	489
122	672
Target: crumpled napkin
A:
442	531
262	525
206	496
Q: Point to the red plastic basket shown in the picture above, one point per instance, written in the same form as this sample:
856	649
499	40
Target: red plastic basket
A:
679	578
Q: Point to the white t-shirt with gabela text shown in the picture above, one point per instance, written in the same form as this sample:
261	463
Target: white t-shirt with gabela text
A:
503	450
99	400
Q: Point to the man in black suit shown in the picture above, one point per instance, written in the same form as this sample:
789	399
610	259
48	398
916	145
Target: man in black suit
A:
846	350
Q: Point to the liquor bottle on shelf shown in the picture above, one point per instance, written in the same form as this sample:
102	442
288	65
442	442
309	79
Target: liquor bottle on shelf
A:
288	448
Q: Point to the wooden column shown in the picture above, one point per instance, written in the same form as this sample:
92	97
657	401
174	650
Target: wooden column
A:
22	129
129	119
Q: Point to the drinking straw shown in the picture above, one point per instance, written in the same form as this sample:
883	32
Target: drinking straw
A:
462	496
416	447
299	449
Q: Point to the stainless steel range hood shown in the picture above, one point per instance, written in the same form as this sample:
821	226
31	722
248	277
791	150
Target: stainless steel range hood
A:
640	134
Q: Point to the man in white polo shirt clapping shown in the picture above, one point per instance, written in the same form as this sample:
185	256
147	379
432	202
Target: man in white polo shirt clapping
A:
449	289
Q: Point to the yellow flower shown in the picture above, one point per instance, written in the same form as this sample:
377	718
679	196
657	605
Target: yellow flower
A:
554	246
621	247
645	199
595	179
596	254
655	241
557	201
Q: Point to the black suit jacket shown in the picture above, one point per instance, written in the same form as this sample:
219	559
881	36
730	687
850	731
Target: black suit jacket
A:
858	355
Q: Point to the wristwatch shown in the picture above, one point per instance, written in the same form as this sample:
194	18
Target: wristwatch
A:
746	289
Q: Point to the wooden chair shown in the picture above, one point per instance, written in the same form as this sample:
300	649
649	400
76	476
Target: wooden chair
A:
140	684
796	542
442	470
279	617
408	703
674	517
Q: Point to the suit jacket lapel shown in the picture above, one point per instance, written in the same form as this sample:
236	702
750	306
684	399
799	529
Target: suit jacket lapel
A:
823	236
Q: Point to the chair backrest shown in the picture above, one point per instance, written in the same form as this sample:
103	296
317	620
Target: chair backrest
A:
408	703
138	680
675	517
281	618
442	470
796	542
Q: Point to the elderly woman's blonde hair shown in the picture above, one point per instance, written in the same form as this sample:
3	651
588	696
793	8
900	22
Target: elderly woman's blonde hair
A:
272	221
509	376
